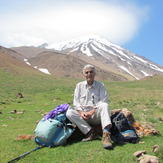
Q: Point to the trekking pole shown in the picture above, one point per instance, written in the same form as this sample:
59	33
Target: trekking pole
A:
23	155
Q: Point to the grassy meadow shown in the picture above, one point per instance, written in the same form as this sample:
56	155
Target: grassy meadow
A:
44	92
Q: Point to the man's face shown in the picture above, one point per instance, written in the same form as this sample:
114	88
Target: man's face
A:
89	75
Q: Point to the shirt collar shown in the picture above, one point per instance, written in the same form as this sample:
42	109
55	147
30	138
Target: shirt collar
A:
93	85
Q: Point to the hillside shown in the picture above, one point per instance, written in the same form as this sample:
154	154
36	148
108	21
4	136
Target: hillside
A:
56	63
10	61
28	52
43	93
34	56
62	65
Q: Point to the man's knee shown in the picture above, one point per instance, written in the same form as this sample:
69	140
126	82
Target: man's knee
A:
71	113
104	105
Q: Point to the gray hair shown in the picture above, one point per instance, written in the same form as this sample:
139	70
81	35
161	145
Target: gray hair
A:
89	66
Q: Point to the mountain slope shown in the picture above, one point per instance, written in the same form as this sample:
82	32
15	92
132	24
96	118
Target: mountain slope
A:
58	64
109	54
63	65
11	62
66	59
28	51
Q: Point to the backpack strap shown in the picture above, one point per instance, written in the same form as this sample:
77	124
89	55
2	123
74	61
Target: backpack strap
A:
117	121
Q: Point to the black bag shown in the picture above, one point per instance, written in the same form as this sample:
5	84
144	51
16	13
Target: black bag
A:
122	130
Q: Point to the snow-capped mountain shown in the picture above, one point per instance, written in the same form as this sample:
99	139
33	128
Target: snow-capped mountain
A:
107	54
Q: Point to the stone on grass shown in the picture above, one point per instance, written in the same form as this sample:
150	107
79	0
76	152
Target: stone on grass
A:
155	148
19	112
139	153
13	112
148	159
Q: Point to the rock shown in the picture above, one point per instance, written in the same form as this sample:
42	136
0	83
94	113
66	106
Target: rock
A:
19	95
25	137
13	112
139	153
19	112
22	110
148	159
155	148
115	111
145	129
128	115
44	113
126	112
141	142
39	111
11	118
160	118
4	125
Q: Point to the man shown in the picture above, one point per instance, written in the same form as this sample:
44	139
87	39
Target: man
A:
91	107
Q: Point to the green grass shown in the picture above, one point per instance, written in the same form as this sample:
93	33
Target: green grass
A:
44	93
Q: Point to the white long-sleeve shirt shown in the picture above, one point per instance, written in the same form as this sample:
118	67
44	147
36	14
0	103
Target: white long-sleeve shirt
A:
86	97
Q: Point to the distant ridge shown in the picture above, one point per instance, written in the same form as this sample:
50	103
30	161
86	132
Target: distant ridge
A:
109	54
68	57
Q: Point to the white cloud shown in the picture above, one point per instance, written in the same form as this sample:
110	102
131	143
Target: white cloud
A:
117	22
20	39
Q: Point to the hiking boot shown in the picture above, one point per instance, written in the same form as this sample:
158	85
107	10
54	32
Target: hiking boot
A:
91	135
106	140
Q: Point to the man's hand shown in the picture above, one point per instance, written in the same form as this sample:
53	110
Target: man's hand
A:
86	115
82	114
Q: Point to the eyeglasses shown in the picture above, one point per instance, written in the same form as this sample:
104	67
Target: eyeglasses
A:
88	72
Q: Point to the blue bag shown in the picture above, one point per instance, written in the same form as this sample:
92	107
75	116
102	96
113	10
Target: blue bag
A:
54	131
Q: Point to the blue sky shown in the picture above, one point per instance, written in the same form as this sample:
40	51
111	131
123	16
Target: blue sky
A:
149	40
134	24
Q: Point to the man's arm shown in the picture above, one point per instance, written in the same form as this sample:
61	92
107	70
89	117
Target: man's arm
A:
76	102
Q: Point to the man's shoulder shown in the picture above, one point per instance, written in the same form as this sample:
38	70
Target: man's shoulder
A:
82	83
98	82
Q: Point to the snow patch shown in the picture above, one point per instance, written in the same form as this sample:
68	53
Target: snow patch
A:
44	70
140	59
145	74
86	50
97	49
26	61
99	45
129	63
125	69
121	53
156	68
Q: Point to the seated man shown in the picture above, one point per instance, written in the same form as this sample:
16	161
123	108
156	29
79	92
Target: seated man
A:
91	107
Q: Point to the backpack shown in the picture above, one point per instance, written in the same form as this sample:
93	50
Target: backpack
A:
122	130
54	130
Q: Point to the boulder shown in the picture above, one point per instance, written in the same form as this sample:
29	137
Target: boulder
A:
19	95
148	159
139	153
155	148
